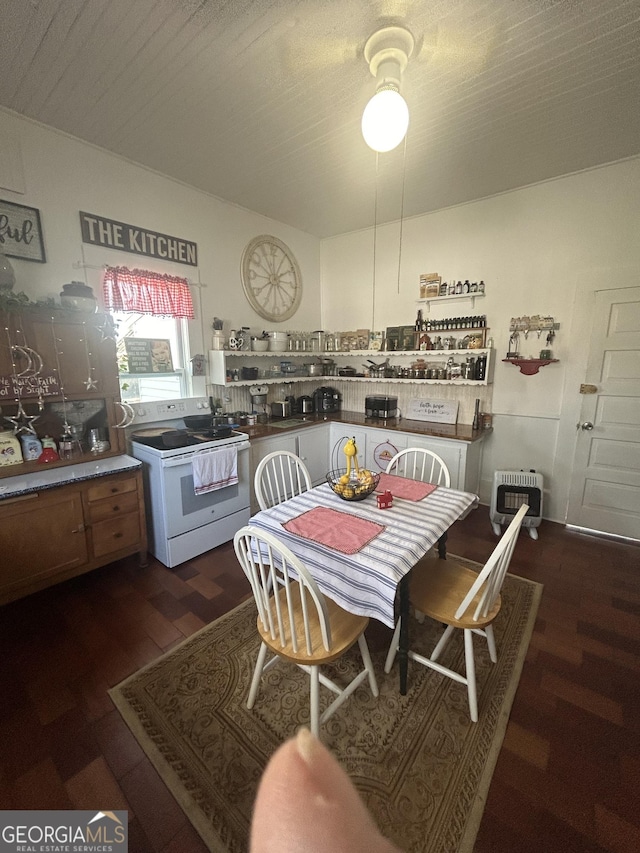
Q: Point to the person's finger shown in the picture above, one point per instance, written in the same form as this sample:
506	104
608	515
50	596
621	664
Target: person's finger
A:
306	802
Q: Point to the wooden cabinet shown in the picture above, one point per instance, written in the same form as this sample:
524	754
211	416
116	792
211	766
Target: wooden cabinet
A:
462	458
313	449
310	443
49	536
60	366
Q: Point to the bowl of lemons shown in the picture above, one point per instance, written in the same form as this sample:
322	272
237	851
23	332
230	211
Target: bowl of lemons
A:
354	486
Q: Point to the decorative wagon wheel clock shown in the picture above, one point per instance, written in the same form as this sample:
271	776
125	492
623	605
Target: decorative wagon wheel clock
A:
271	278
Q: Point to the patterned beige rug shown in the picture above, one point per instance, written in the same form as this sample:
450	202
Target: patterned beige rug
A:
420	765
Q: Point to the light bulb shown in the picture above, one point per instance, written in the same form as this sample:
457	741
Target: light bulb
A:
385	120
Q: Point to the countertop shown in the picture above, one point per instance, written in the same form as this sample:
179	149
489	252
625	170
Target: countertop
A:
457	432
49	478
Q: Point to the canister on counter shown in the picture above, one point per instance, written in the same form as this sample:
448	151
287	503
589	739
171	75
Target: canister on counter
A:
31	447
10	452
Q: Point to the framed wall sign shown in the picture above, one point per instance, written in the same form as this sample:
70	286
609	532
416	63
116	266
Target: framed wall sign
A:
438	411
112	234
148	355
21	232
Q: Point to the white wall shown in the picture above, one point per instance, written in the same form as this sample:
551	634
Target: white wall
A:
540	250
63	176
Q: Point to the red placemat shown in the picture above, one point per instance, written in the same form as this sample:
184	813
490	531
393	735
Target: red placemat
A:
404	487
338	530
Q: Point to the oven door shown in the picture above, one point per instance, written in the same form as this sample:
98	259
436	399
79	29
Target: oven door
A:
184	510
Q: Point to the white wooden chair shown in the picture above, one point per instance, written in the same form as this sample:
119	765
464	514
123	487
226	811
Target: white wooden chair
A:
279	476
418	463
456	596
298	624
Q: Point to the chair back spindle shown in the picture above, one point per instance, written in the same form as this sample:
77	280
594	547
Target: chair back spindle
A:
279	476
419	463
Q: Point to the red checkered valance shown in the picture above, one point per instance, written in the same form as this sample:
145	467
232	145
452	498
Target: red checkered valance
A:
144	292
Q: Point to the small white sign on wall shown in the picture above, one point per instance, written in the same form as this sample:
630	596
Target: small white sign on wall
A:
438	411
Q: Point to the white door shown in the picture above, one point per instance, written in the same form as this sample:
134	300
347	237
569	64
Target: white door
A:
605	484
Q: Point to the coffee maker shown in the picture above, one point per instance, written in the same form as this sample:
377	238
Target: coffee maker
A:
326	400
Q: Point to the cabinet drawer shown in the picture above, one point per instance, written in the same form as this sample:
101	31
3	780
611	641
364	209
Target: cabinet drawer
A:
115	534
112	506
111	487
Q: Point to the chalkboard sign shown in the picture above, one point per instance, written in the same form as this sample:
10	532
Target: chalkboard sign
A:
437	411
148	355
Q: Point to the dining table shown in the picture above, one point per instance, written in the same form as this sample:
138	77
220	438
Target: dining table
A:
360	553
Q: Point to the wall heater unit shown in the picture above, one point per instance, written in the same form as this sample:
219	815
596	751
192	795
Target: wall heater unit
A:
511	489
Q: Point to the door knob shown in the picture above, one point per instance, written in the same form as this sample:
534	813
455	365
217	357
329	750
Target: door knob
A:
587	426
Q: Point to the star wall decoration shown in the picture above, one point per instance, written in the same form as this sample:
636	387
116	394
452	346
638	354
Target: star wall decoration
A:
108	329
22	422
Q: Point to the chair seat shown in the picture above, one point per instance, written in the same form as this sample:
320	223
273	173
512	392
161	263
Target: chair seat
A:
345	630
437	588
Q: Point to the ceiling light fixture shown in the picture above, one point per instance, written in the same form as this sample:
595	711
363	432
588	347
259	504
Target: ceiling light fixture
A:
386	117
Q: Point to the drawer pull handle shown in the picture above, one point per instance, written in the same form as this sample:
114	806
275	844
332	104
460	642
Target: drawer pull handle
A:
116	508
79	529
117	535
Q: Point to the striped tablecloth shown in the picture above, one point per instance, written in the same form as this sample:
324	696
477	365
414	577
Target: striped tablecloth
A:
365	582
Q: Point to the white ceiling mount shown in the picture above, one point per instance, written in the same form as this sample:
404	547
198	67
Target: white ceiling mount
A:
387	53
386	117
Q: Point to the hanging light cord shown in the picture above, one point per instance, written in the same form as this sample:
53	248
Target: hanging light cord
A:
375	239
404	172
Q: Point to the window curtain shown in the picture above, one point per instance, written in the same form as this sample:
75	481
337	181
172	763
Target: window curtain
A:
144	292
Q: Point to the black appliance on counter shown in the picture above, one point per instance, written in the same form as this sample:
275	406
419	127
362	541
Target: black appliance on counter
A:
304	405
380	407
327	399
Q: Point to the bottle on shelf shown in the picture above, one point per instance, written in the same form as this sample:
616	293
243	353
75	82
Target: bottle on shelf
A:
481	368
476	416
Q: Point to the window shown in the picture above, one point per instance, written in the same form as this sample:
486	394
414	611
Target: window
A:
163	381
150	311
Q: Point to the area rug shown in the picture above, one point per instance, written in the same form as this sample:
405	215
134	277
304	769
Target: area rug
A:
421	766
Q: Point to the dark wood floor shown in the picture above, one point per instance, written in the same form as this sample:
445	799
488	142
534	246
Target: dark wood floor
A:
568	775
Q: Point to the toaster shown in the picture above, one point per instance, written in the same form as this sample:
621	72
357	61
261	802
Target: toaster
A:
381	407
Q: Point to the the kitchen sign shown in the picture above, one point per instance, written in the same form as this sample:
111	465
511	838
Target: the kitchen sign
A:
437	411
139	241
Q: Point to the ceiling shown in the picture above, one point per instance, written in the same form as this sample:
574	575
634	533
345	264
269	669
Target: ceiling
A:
258	102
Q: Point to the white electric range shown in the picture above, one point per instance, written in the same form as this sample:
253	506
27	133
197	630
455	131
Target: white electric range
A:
181	525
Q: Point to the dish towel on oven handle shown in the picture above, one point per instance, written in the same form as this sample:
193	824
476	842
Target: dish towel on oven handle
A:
214	469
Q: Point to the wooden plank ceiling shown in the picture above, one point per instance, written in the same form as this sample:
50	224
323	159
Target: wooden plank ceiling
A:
259	102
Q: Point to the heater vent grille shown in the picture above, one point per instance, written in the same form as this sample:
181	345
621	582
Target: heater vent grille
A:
511	489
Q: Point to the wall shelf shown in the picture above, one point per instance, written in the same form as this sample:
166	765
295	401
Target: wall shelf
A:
530	366
472	296
218	366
